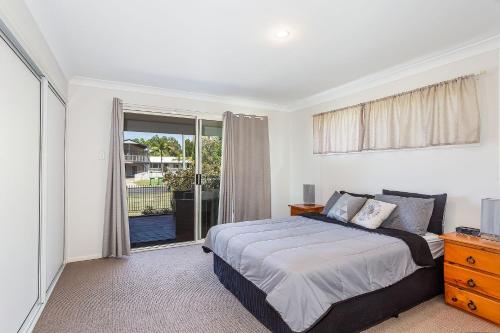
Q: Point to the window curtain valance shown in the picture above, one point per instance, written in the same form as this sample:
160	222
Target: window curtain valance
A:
446	113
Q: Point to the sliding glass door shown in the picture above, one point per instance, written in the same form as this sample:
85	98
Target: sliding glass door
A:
160	174
172	166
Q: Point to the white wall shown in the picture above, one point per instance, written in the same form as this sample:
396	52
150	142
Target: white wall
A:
466	173
89	121
18	18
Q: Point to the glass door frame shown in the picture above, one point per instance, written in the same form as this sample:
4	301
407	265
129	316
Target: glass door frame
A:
199	173
197	180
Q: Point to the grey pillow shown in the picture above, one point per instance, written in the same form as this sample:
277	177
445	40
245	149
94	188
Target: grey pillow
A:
329	204
346	207
411	214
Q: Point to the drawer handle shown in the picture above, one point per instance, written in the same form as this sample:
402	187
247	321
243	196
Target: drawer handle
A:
454	299
472	306
471	283
471	260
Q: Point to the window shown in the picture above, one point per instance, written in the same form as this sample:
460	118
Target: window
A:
446	113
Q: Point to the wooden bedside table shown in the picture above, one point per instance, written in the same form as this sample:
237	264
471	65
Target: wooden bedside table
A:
472	275
297	209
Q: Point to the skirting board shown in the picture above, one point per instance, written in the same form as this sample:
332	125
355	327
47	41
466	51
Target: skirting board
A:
33	317
83	258
136	250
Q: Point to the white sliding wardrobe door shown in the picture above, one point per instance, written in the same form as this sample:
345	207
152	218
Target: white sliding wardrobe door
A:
19	190
54	123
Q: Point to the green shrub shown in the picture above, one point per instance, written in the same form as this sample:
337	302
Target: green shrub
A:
181	179
150	211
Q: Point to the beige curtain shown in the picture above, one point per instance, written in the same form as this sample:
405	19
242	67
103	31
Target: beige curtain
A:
245	191
441	114
116	240
338	131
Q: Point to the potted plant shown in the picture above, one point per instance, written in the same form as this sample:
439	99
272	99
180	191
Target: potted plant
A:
181	183
181	180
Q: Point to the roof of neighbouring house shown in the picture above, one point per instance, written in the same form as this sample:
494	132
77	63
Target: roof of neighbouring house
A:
131	142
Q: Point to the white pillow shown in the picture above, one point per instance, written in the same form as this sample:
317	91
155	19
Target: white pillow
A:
373	213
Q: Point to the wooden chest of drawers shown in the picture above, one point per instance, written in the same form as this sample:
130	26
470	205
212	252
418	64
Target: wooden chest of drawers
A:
472	275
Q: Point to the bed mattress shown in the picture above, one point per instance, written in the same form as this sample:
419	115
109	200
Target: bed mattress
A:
304	265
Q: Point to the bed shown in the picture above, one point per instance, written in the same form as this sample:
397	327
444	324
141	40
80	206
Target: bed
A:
311	273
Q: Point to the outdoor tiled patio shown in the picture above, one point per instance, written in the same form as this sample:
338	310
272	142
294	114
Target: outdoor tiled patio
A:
151	230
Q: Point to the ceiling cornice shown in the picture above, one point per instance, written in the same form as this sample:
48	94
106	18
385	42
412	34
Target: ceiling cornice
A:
400	71
137	88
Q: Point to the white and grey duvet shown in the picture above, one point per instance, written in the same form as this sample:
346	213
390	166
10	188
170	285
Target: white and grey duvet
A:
304	265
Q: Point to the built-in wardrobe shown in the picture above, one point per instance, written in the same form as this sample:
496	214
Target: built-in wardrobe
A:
32	183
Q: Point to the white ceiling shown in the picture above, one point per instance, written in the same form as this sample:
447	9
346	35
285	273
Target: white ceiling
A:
226	47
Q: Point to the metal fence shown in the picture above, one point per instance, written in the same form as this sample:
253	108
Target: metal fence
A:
157	199
140	198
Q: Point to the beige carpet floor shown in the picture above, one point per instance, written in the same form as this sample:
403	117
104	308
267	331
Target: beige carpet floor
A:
175	290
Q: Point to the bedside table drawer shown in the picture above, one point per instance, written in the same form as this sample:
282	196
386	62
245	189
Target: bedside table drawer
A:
295	211
472	280
472	303
471	257
298	209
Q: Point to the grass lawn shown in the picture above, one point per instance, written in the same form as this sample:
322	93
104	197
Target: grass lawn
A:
145	182
137	202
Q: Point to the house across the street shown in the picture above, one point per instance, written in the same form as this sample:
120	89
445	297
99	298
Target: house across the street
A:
140	165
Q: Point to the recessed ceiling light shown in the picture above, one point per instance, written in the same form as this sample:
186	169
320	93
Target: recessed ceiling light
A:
282	34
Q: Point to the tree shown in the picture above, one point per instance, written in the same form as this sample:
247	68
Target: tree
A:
158	147
211	154
211	150
141	141
173	146
189	147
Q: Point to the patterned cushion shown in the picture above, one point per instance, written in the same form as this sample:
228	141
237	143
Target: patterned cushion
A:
373	213
346	207
329	204
412	214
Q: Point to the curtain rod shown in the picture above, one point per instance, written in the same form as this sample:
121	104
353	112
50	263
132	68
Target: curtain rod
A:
249	116
145	108
160	113
140	108
482	72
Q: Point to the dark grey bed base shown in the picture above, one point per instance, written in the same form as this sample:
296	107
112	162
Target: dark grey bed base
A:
352	315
